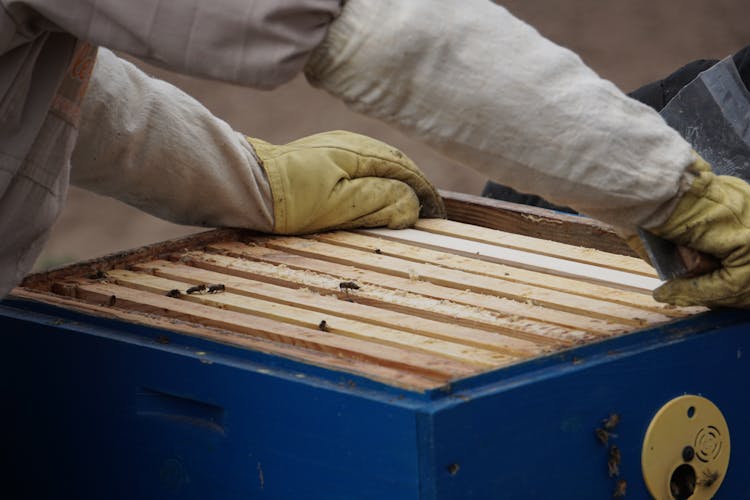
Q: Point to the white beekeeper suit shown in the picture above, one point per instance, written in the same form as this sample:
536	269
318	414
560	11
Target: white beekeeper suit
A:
466	77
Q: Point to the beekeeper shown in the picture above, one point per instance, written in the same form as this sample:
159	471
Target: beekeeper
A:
465	77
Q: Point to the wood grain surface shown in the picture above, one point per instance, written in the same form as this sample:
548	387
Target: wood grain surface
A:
416	308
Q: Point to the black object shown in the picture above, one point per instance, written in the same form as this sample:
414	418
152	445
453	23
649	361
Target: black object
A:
500	192
658	94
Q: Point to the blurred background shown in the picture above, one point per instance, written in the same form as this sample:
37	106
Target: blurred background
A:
630	42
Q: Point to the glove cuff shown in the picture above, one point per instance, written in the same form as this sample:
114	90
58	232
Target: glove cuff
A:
701	175
264	154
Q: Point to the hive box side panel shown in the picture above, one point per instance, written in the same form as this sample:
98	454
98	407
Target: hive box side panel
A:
533	436
118	416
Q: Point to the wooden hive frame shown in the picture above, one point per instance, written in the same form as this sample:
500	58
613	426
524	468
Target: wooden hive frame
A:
494	285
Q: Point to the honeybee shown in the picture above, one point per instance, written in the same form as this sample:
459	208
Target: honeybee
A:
348	285
196	289
603	436
621	487
112	300
613	462
174	293
709	478
604	432
323	326
98	275
611	422
216	288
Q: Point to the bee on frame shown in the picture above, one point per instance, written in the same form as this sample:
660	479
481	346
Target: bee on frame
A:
348	285
196	289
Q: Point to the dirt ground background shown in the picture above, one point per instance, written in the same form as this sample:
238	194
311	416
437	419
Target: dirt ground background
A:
630	42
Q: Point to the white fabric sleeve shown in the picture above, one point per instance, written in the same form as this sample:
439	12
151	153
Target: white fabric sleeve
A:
254	43
488	90
148	144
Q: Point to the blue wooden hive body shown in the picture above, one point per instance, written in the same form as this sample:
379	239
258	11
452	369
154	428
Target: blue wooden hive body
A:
103	405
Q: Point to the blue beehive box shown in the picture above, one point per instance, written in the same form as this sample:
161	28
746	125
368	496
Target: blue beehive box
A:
366	366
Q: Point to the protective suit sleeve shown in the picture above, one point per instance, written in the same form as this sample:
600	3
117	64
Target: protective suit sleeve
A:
488	90
148	144
255	43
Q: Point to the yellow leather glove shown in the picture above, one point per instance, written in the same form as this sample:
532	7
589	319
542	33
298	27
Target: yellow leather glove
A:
343	180
713	216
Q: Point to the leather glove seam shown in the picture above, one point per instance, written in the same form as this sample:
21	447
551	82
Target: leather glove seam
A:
277	193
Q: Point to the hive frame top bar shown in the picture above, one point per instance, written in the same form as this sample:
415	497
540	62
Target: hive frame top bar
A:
427	320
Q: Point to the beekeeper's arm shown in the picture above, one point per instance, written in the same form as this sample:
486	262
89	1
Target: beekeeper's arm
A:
337	180
488	90
146	143
257	44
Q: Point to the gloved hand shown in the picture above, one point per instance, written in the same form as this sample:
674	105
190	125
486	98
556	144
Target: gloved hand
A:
713	216
339	180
